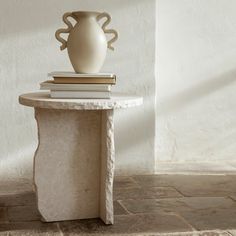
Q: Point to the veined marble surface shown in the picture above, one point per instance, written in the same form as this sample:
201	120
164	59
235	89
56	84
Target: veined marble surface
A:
43	100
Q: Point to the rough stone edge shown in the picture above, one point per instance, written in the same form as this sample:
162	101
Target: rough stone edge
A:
81	105
36	113
107	167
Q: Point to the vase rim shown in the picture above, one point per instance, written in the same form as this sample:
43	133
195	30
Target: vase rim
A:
86	13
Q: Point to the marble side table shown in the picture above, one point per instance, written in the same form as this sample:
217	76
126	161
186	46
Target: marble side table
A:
74	161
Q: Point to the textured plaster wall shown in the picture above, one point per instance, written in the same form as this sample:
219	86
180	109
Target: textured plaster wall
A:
196	80
28	51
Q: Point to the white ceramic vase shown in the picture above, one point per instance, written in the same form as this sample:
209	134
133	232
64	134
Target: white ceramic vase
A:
86	44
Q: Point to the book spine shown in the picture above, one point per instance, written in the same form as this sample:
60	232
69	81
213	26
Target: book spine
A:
78	75
75	87
60	80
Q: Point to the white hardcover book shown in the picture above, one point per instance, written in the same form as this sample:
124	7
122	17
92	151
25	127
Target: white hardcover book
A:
78	75
79	94
49	85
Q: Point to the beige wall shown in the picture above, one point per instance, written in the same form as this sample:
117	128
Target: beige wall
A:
28	51
196	80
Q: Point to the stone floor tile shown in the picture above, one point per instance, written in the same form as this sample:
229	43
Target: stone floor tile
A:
206	206
141	206
154	206
148	223
30	229
118	209
14	187
192	185
23	213
209	219
21	199
209	202
3	215
124	182
145	193
176	205
207	186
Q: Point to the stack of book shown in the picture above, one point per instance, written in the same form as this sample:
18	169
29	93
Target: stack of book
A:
73	85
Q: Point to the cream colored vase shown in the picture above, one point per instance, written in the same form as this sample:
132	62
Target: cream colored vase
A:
86	44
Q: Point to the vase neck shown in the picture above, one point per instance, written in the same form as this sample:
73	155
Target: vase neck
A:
85	14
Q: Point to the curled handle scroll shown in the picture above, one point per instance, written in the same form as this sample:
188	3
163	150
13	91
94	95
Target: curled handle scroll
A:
108	31
67	30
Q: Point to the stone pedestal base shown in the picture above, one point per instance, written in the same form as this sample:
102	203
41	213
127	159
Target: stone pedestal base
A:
74	164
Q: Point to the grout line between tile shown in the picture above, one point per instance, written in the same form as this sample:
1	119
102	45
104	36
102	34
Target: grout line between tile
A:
177	190
136	182
186	222
59	228
231	198
120	202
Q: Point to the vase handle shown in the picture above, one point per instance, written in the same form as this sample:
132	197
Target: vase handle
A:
67	30
108	31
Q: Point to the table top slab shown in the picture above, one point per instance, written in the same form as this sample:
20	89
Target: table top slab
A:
43	100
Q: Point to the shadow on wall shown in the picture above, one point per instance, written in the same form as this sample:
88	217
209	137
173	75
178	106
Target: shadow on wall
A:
132	133
198	123
190	95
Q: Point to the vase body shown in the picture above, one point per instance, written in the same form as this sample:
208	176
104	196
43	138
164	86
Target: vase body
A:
87	44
